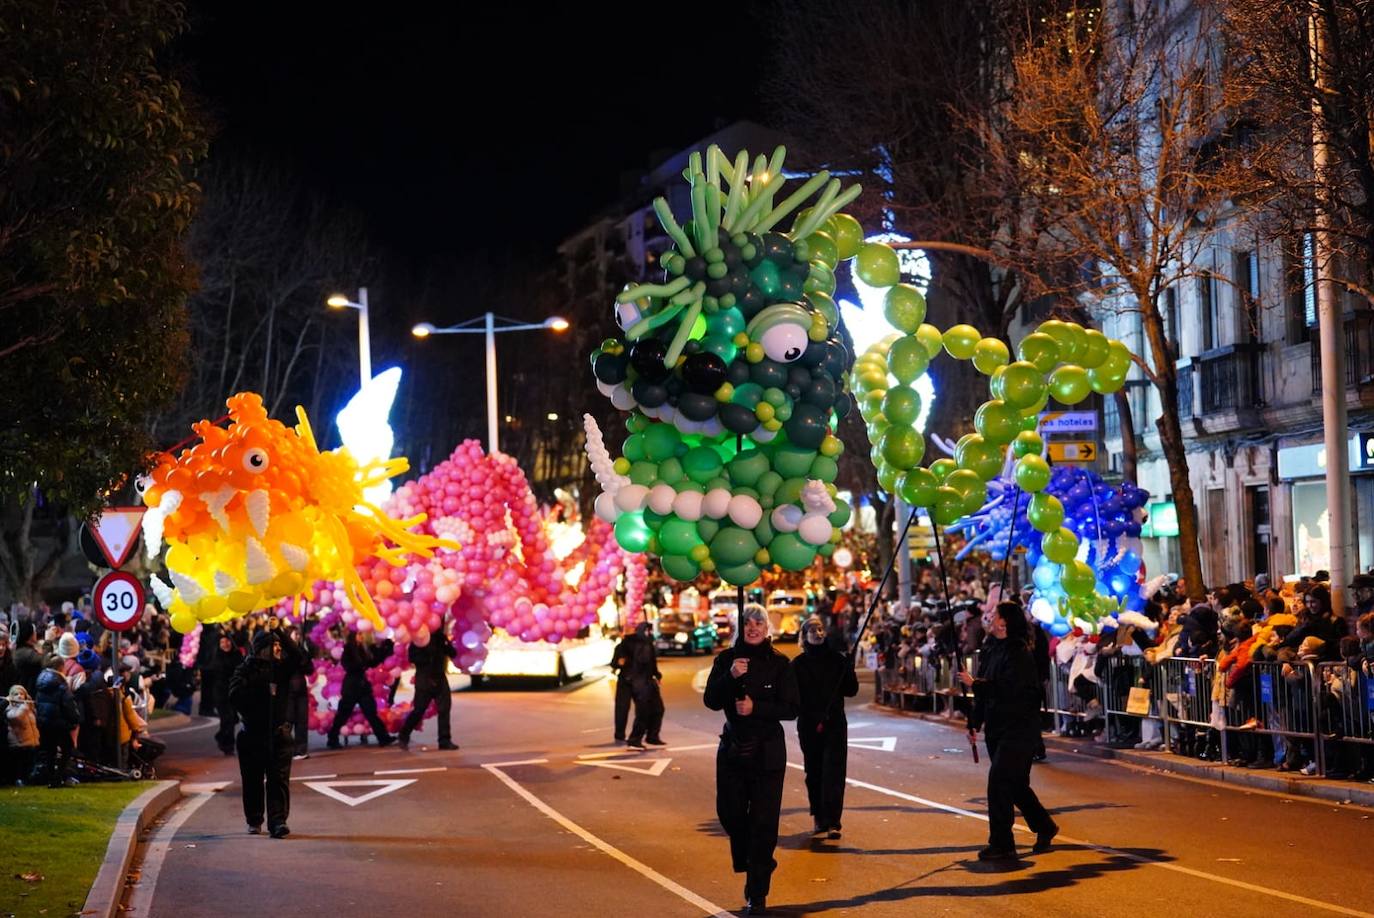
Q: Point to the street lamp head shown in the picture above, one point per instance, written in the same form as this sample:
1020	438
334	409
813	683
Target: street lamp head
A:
557	323
338	301
422	330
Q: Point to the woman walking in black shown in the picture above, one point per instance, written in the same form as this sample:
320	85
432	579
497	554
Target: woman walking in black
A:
1007	706
754	685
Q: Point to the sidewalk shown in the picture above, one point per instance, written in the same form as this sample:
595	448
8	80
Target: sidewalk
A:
1360	793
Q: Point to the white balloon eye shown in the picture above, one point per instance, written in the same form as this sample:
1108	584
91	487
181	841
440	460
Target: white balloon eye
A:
626	315
785	342
142	483
255	461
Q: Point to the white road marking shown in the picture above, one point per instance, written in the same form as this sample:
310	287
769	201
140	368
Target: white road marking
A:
507	764
876	743
314	777
208	723
639	867
380	788
1115	852
690	748
594	730
141	895
699	679
651	767
859	725
410	771
609	755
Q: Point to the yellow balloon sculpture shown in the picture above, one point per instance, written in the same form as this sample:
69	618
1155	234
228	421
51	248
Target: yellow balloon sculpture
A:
254	513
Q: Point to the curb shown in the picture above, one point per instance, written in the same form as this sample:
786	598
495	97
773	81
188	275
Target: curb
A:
108	889
1168	765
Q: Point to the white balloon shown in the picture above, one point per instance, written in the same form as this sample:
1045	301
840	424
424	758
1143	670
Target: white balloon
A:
1042	611
661	498
786	518
712	427
763	435
605	388
717	503
744	511
815	530
687	505
631	497
622	399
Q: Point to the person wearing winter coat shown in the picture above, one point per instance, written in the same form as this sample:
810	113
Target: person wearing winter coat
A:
356	692
825	677
756	688
430	656
215	676
23	735
1006	695
619	658
641	672
299	699
9	670
27	659
58	716
258	692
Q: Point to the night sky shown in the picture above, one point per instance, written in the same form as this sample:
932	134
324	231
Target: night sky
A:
500	127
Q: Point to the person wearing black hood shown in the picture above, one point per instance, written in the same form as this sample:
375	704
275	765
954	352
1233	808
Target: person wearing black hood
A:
1007	697
755	686
356	691
640	670
825	677
258	691
216	675
27	660
429	654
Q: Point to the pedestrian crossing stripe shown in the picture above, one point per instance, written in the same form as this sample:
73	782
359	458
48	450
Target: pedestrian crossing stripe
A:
876	743
651	767
379	788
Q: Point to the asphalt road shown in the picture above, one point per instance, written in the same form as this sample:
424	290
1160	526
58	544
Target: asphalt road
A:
539	813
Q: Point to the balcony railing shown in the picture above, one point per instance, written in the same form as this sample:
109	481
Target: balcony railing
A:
1185	391
1231	378
1359	352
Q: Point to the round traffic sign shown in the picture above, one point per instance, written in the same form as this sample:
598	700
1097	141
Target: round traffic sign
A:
118	600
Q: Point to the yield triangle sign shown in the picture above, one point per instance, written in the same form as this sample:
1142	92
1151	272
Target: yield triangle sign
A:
876	743
116	532
379	788
651	767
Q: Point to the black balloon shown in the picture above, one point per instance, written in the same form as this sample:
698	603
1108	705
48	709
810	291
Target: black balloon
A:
814	354
610	368
820	392
737	418
647	358
798	375
704	372
738	372
696	268
650	395
696	407
777	247
806	427
768	373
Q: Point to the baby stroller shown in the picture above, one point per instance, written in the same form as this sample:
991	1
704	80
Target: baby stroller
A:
143	752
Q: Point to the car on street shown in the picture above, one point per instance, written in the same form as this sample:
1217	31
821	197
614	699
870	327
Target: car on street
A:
786	611
724	608
683	632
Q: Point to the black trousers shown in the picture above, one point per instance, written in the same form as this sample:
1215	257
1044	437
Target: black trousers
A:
748	804
425	692
351	696
648	701
298	713
208	701
55	745
825	756
622	706
265	763
1009	786
228	719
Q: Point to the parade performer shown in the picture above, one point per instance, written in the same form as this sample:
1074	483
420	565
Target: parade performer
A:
825	677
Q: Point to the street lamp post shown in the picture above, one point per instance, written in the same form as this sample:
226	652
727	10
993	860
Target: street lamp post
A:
339	301
489	324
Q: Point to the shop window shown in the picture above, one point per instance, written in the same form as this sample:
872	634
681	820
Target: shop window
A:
1257	509
1311	525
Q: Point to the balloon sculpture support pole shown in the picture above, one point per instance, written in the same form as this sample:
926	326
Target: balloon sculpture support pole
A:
958	659
853	651
739	589
1011	530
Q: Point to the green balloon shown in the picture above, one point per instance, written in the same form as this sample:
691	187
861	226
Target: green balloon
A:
997	421
680	567
877	265
763	532
739	574
1069	384
877	427
792	461
948	505
905	308
748	394
1072	343
989	354
825	469
1022	384
768	482
631	533
839	518
643	473
901	406
917	487
1032	473
707	528
930	336
997	383
848	234
887	478
1077	578
1045	512
670	470
1028	443
1039	406
902	447
733	545
1059	546
702	464
789	492
767	278
824	303
872	402
790	553
1103	382
1039	349
1096	347
634	448
960	340
748	467
907	360
981	457
823	250
942	468
678	537
661	442
1118	362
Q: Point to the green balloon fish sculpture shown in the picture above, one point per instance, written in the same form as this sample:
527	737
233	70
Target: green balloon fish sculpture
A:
734	375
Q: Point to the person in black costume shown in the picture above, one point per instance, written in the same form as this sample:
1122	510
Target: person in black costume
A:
218	672
431	684
258	691
207	660
298	699
1007	696
356	691
619	657
825	677
755	686
641	672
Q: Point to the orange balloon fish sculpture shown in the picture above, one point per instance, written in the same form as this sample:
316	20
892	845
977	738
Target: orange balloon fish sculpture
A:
254	513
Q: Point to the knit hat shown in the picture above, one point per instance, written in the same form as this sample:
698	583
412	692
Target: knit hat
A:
129	662
89	660
1261	582
1282	620
1311	646
67	646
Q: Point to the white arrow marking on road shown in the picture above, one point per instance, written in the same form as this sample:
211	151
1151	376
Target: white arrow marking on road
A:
883	743
699	680
330	789
654	769
859	725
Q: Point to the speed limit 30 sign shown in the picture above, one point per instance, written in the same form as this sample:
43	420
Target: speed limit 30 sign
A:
118	600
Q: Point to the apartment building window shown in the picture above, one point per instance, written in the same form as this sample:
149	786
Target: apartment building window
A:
1257	498
1300	282
1248	295
1171	320
1207	304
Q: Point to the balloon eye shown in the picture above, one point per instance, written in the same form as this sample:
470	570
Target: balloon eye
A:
626	315
784	342
255	461
141	483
